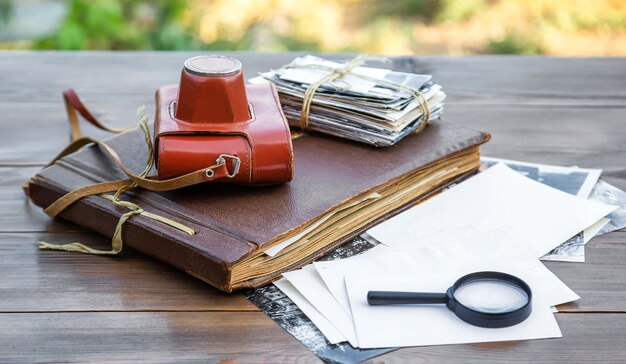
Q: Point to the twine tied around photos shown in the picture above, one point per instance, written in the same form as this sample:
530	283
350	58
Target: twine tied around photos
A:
338	73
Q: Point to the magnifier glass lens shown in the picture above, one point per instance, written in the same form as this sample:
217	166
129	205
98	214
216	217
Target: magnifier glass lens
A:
491	296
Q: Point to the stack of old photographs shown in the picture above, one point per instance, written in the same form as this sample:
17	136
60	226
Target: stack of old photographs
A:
370	105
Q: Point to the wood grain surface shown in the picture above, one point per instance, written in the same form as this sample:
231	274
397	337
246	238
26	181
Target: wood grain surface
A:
148	337
71	307
586	338
49	281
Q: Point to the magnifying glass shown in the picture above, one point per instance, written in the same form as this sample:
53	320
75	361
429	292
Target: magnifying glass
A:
485	299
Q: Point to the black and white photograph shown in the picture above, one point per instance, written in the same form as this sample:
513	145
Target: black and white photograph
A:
609	194
573	180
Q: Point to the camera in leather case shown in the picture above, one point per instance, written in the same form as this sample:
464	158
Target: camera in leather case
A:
212	118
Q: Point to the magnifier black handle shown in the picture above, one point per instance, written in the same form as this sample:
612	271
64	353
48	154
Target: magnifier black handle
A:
404	298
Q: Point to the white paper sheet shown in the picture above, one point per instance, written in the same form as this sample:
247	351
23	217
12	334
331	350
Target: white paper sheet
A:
328	330
434	270
394	326
541	216
309	283
438	236
592	230
573	250
573	180
498	245
311	75
333	272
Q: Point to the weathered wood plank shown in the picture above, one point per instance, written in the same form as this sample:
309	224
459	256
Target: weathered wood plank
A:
56	281
534	80
38	132
477	79
39	77
48	281
116	83
214	336
148	337
554	129
586	338
587	137
562	136
35	280
601	280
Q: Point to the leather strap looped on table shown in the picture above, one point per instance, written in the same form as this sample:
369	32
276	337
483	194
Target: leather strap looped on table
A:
74	106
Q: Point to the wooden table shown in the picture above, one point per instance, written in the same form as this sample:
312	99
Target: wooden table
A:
58	306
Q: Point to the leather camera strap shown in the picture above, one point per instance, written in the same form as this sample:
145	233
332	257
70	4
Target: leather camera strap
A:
74	107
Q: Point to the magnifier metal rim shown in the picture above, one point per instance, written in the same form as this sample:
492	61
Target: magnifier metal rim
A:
486	319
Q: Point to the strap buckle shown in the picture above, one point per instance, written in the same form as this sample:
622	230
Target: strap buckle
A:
221	161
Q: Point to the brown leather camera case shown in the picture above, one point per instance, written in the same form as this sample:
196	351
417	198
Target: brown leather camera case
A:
209	117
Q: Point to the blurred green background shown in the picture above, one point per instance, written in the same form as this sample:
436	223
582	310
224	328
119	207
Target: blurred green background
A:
455	27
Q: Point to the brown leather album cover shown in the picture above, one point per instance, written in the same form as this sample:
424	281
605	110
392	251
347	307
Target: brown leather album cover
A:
328	202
